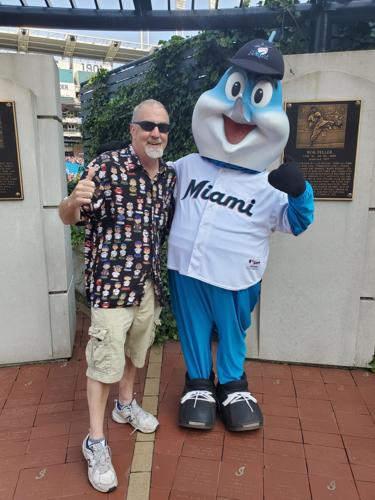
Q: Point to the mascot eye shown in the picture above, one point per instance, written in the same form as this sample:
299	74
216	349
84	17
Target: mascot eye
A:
235	86
262	94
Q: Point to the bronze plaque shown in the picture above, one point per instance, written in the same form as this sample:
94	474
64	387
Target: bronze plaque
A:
323	140
10	172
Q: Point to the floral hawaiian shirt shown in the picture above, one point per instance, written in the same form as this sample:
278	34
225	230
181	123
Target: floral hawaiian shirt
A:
124	228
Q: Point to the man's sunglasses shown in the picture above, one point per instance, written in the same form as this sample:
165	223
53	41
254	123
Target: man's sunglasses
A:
149	126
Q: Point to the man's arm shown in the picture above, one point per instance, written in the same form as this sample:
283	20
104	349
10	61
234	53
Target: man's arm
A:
70	207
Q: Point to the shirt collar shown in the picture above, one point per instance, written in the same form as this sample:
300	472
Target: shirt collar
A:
222	164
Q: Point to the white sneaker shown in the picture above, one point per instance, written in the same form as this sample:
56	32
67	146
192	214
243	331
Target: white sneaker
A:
101	473
136	416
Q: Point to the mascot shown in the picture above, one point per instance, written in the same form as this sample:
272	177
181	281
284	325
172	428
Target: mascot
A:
227	206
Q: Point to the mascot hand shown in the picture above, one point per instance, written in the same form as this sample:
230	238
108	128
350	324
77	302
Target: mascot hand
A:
288	178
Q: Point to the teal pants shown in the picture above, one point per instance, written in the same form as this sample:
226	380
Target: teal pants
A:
200	309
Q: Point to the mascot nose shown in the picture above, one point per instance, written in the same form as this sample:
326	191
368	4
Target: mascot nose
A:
238	112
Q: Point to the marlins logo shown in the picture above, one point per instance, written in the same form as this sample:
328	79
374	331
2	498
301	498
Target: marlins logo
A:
260	52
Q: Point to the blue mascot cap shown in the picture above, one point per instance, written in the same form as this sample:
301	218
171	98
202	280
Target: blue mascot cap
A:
260	56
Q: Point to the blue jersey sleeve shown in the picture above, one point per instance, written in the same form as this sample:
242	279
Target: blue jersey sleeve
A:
300	211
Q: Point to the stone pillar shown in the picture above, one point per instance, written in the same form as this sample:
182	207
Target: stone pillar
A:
37	305
318	294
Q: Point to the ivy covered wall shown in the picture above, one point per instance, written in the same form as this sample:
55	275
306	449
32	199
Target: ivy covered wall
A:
181	69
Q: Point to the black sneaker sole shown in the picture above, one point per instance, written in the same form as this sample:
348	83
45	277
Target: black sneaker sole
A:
196	425
246	428
243	428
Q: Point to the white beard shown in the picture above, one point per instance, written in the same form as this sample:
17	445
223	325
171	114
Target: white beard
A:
154	152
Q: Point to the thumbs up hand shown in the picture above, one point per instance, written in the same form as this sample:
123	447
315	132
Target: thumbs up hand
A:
84	190
90	174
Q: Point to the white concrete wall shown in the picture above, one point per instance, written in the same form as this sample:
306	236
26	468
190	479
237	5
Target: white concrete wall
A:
37	307
317	300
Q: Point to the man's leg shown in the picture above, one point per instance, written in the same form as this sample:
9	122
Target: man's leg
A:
138	340
97	396
101	473
126	384
105	366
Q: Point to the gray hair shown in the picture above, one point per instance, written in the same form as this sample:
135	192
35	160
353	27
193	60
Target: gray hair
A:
152	102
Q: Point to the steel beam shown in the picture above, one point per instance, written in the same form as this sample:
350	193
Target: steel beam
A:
144	18
154	20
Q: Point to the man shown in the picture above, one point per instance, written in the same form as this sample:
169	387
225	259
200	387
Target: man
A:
122	271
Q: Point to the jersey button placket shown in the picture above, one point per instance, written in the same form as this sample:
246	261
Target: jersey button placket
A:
202	237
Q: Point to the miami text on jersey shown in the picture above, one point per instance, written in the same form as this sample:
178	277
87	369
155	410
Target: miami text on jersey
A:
203	189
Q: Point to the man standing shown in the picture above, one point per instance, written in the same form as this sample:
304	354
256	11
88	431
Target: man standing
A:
124	198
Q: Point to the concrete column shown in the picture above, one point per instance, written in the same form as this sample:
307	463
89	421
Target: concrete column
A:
317	301
37	291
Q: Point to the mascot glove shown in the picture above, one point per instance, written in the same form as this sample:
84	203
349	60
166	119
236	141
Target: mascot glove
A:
288	178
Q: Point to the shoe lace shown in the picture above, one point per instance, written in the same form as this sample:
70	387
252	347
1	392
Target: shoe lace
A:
198	396
102	457
235	397
137	413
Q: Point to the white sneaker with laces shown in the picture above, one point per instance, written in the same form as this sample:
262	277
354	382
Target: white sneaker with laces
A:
136	416
101	473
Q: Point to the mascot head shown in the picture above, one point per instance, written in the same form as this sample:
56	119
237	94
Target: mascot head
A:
241	121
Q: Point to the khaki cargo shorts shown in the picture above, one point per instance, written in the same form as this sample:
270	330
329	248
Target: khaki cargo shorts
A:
121	331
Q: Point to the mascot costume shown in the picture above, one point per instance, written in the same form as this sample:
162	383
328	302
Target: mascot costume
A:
227	206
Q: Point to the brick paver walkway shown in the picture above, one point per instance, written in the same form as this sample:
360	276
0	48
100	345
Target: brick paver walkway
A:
318	441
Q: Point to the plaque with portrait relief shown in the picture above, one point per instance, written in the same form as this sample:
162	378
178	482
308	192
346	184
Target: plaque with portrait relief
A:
10	169
323	140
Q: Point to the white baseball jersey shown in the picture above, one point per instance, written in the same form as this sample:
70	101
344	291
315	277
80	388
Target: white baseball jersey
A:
222	223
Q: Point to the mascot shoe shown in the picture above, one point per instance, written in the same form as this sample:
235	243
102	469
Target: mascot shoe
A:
198	403
238	408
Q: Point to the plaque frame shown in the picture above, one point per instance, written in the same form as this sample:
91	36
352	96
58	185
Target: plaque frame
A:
19	195
352	125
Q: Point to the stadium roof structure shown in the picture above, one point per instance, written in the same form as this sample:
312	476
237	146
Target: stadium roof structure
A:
133	15
161	15
72	45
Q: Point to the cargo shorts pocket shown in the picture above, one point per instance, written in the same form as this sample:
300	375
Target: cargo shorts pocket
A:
98	349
